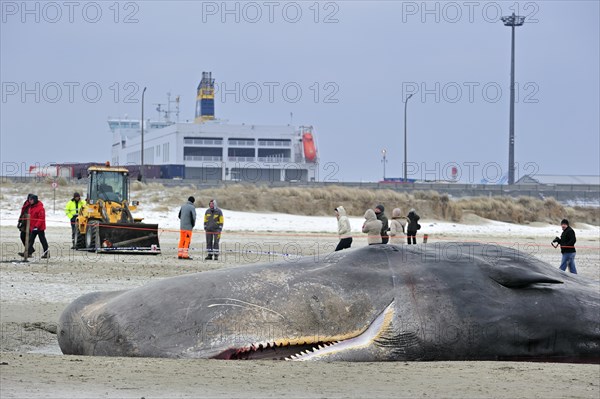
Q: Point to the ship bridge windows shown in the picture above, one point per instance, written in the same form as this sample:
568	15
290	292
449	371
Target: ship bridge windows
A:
113	125
240	152
202	154
241	155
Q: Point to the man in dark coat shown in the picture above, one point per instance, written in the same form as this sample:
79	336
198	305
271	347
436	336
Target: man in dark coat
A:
379	209
567	246
412	227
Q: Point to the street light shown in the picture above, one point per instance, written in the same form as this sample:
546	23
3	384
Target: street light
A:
512	21
405	163
383	152
142	123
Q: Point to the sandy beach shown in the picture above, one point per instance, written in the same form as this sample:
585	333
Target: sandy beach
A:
33	295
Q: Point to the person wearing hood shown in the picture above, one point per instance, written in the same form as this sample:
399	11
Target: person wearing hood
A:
379	211
187	221
343	229
372	227
413	226
22	223
37	226
213	225
72	209
397	227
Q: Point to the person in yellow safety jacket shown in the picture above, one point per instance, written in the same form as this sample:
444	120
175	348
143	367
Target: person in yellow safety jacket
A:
213	225
72	209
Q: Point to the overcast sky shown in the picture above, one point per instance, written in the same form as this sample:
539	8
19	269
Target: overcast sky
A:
343	67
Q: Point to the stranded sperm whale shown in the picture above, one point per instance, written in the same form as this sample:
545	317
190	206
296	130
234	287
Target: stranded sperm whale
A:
449	301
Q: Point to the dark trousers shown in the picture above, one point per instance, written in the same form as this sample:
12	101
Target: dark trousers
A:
33	235
73	228
344	243
212	242
411	235
23	234
385	239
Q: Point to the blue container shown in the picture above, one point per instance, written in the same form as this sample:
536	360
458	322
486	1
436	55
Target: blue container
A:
172	171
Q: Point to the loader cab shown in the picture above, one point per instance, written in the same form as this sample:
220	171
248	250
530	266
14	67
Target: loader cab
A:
108	185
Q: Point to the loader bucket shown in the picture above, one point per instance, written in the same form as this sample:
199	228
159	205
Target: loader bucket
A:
128	238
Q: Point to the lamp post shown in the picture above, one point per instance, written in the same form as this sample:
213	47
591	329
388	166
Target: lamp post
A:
405	162
142	124
383	153
512	21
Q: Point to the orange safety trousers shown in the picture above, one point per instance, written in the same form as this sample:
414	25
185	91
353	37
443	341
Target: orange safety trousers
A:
185	238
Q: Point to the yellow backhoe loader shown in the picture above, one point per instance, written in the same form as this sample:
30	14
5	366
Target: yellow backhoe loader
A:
106	223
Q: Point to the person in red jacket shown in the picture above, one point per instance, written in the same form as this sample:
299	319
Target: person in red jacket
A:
37	226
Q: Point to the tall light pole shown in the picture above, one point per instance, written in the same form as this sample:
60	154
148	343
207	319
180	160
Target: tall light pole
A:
405	162
383	152
142	124
512	21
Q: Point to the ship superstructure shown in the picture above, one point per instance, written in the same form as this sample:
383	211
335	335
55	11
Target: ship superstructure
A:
214	150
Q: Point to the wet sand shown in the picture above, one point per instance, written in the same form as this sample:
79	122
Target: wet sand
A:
33	295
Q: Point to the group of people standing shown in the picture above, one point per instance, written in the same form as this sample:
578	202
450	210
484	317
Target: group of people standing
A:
213	225
33	214
32	223
379	230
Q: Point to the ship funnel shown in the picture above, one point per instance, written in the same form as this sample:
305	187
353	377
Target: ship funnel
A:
205	98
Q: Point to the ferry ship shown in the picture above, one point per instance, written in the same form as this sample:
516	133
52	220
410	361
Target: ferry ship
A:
215	150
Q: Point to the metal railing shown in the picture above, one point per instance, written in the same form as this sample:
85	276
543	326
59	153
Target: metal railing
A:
243	143
274	159
241	159
202	158
203	141
271	143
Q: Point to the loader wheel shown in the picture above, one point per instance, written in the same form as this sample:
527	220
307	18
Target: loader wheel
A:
92	240
79	239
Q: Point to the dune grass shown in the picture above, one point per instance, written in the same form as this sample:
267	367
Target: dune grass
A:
429	204
322	201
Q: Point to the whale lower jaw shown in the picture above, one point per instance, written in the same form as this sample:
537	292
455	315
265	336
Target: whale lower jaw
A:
309	348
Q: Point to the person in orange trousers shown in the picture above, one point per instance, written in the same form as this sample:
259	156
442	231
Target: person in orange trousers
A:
187	221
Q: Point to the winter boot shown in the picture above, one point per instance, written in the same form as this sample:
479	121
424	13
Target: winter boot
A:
216	257
208	257
46	255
